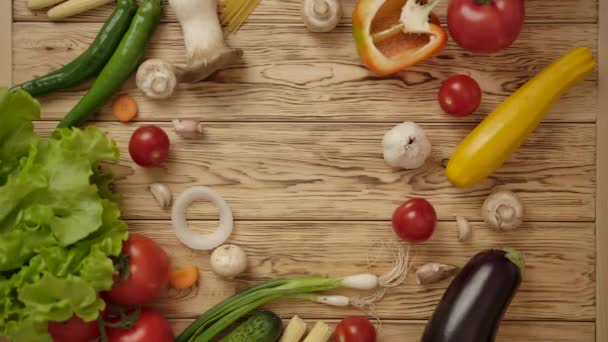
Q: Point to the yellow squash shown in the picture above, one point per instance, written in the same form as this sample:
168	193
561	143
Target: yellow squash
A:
487	147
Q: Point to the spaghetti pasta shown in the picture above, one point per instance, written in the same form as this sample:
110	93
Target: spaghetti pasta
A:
234	12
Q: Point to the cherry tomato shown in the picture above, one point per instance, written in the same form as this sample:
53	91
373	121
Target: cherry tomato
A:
355	329
149	327
74	330
149	146
414	221
148	272
459	95
485	25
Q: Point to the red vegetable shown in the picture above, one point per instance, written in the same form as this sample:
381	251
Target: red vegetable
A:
459	95
355	329
148	272
149	327
414	221
74	330
485	25
149	146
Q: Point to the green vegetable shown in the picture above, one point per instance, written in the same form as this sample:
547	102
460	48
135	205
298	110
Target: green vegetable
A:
262	326
121	65
90	62
222	315
59	227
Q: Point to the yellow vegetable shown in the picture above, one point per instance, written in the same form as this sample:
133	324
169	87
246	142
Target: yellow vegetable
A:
73	7
321	332
295	330
39	4
491	143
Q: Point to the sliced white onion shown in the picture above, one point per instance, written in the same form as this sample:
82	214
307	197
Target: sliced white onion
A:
180	224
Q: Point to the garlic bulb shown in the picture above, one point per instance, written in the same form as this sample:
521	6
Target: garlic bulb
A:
406	146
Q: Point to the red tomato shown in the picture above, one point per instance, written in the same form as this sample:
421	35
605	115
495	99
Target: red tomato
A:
485	25
459	95
74	330
149	272
414	221
355	329
149	146
149	327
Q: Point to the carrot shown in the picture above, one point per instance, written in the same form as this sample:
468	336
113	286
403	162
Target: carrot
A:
184	278
124	108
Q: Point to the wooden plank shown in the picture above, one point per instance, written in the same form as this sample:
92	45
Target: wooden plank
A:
6	43
602	185
288	12
393	331
336	172
558	284
302	77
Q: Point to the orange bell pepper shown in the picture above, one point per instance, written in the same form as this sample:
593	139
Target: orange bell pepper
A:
392	35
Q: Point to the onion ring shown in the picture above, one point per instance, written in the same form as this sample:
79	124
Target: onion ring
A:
180	223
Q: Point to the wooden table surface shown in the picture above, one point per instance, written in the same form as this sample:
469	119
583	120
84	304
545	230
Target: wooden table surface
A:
293	141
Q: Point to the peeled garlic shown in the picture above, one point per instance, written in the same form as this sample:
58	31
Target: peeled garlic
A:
162	193
464	229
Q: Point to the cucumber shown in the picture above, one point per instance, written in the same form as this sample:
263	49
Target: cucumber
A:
262	326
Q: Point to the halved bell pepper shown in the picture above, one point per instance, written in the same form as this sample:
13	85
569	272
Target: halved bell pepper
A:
392	35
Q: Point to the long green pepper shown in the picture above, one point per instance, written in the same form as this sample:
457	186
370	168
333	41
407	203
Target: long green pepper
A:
121	65
90	62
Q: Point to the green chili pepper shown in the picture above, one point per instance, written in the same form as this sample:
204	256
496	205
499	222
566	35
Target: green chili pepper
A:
90	62
121	65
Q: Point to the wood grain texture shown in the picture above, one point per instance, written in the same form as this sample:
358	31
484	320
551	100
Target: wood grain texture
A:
602	186
558	282
6	43
509	331
336	172
288	12
303	77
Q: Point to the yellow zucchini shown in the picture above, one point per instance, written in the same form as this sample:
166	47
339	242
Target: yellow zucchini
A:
73	7
491	143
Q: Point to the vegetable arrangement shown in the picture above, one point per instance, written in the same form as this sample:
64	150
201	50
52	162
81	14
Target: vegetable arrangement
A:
62	239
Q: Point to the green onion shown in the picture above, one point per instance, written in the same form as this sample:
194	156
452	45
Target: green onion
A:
224	314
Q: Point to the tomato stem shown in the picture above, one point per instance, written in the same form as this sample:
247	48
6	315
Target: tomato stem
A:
484	2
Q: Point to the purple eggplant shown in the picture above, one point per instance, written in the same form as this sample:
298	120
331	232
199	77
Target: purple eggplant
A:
475	302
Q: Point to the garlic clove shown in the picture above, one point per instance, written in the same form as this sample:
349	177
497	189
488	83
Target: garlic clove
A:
434	272
464	229
162	193
188	129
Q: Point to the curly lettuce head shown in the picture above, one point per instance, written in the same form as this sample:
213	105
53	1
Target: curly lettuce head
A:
59	227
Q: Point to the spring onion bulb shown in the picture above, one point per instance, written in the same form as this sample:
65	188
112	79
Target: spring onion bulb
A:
180	223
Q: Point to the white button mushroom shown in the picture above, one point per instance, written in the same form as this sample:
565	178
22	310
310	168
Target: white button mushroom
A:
228	261
321	15
503	210
406	146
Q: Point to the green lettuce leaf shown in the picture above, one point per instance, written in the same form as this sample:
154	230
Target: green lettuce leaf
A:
59	226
